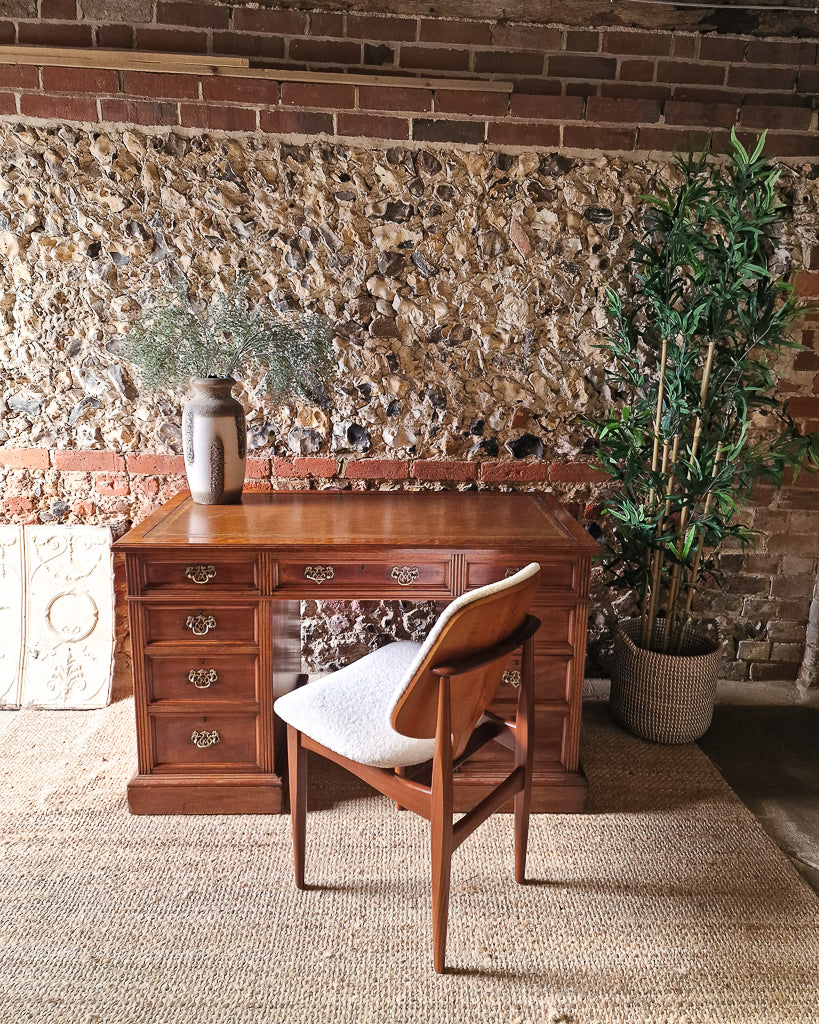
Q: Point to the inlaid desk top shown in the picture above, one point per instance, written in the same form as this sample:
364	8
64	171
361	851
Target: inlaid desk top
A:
365	519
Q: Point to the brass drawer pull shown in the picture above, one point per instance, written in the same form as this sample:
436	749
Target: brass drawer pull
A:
200	624
319	573
202	678
511	678
512	570
205	739
405	574
200	573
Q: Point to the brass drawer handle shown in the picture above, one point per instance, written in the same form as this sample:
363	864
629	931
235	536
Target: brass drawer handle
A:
206	738
319	573
511	678
405	574
200	624
512	570
200	573
202	678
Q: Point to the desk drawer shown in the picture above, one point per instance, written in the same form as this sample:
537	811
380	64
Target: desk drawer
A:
552	681
201	623
190	677
559	577
237	573
404	575
220	742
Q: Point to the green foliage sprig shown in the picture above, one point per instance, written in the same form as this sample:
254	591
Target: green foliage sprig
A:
172	341
696	418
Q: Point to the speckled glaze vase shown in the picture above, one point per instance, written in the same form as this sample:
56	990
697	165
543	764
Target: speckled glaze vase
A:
214	437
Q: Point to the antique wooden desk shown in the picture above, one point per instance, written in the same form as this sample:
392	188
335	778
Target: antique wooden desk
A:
213	601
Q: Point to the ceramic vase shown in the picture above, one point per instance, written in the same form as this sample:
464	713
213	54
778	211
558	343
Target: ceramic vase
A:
214	438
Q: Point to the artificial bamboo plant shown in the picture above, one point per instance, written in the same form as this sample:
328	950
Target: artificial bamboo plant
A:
696	418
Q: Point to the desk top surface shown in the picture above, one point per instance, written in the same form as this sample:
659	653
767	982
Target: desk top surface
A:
364	519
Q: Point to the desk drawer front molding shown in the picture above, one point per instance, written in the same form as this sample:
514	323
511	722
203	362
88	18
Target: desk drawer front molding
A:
319	573
200	573
200	624
405	575
202	678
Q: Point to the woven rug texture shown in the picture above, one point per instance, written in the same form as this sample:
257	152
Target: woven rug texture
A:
664	903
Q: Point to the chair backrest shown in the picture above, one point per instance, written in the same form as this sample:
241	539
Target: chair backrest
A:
477	620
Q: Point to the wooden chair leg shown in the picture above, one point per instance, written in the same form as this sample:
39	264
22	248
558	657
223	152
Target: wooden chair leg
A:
523	757
297	766
441	827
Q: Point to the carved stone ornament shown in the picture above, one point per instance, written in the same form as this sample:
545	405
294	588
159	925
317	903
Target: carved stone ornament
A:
12	615
65	587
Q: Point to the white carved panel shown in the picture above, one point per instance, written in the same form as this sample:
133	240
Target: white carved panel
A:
12	610
69	610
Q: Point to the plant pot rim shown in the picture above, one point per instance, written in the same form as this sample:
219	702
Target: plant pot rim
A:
709	642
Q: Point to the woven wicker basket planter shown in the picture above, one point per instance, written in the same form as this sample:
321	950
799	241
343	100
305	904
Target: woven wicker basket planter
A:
667	698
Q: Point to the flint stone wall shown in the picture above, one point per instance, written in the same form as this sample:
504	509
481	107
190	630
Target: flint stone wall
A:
466	287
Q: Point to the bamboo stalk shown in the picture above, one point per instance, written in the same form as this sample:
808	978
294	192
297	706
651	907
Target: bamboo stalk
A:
668	475
658	414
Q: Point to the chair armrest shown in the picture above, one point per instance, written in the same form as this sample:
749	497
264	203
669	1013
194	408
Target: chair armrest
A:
487	655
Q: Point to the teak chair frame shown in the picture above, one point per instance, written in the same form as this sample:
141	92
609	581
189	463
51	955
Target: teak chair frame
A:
427	789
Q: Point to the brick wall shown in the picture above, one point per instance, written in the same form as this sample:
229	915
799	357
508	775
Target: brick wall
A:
611	89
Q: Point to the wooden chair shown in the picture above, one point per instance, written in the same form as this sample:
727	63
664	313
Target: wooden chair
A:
404	717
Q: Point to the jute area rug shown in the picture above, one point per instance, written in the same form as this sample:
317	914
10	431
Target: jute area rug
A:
665	903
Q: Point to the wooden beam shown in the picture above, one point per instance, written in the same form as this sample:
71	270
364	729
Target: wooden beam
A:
130	60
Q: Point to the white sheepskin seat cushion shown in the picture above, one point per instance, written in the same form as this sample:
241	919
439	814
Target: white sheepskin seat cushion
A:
349	710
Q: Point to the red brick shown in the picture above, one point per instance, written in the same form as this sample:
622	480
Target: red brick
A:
80	80
286	23
803	406
113	484
444	469
670	140
145	112
456	101
325	23
769	51
552	108
522	133
622	111
7	33
18	506
529	37
115	37
193	15
636	71
808	81
777	117
320	51
582	41
373	26
258	486
685	45
428	130
152	85
635	91
227	119
689	71
295	122
371	126
63	108
58	10
312	94
583	89
8	103
376	469
257	468
806	284
585	68
18	76
24	458
641	44
576	473
240	90
44	33
146	486
706	114
89	461
584	136
83	510
386	97
744	76
434	58
497	472
722	48
768	671
306	467
156	465
509	62
248	44
465	33
171	39
705	94
536	86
